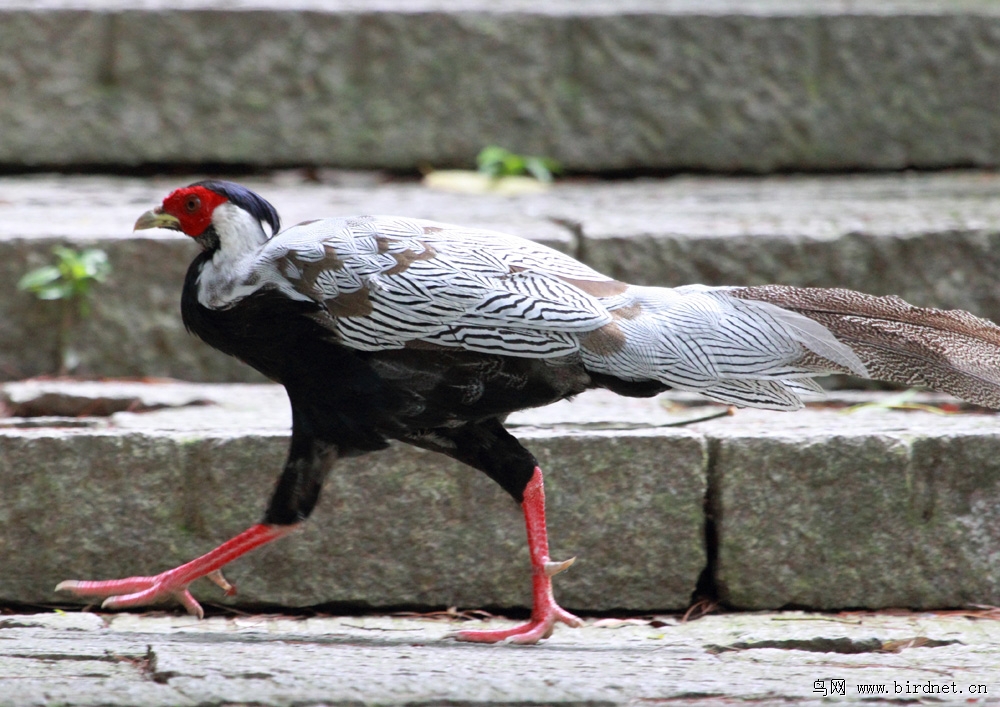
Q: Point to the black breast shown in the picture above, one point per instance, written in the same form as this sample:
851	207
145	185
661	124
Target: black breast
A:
332	391
259	329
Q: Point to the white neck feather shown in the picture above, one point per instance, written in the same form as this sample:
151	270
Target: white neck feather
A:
228	276
239	232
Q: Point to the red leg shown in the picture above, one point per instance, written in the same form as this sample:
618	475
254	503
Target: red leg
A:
140	591
545	612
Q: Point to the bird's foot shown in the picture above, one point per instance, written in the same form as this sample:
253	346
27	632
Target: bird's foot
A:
137	591
544	616
540	626
545	613
173	584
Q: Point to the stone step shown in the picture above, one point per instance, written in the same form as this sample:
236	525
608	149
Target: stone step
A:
933	239
832	507
874	660
724	85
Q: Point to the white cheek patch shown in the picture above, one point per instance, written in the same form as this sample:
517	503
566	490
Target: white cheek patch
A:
235	270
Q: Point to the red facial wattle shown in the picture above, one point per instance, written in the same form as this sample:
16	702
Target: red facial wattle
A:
193	208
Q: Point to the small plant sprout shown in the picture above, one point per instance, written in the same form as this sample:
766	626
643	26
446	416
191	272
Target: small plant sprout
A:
497	162
69	281
499	172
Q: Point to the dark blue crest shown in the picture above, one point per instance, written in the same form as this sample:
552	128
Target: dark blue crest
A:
238	194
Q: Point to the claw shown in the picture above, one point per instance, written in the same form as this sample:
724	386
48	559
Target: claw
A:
220	581
538	628
68	585
190	603
554	568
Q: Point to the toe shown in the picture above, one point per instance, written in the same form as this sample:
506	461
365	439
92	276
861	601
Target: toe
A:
107	588
190	603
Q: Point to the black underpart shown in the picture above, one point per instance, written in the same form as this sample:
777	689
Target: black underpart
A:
630	389
347	402
331	390
486	446
298	487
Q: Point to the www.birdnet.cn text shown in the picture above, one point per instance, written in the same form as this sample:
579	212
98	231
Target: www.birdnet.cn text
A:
829	687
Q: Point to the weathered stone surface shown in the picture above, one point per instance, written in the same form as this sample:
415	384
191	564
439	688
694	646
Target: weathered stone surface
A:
379	660
729	86
932	239
867	510
821	509
66	492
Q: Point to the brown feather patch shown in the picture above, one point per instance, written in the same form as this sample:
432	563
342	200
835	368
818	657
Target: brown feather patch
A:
405	258
606	341
310	270
597	288
350	304
630	311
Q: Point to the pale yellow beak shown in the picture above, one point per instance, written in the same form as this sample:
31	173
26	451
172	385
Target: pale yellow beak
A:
156	218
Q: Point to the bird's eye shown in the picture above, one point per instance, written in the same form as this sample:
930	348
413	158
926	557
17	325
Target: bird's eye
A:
192	204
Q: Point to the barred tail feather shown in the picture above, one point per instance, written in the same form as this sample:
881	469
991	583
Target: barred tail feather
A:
951	351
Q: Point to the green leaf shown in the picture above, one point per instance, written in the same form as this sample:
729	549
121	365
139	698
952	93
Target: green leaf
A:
498	162
95	264
57	290
541	168
33	280
490	160
72	277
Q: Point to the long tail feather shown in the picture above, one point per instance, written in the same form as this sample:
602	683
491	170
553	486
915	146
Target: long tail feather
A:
946	350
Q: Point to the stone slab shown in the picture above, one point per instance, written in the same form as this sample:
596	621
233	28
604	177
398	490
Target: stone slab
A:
864	510
683	85
825	508
931	238
84	659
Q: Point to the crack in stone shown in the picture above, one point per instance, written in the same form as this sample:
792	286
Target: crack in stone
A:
846	646
707	587
11	623
104	658
60	404
149	668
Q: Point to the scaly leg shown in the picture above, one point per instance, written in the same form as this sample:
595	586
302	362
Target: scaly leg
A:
140	591
545	612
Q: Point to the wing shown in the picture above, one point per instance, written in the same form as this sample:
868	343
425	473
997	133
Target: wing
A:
386	283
